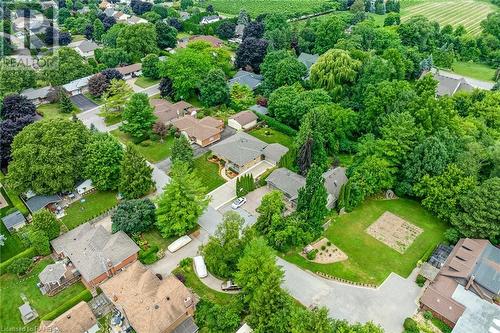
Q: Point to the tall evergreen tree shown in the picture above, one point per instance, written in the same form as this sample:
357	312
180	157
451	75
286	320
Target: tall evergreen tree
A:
182	151
182	202
312	198
135	175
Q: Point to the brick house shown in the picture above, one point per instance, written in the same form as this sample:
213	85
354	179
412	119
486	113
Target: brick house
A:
95	252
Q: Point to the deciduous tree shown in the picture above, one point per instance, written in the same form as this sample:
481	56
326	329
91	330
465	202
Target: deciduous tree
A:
150	66
103	156
182	151
47	156
214	89
138	117
46	222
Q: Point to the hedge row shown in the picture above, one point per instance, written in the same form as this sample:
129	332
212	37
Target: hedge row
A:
274	124
28	253
83	296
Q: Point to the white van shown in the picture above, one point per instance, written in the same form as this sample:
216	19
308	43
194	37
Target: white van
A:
178	243
199	267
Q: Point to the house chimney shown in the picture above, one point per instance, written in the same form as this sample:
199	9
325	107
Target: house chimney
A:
188	302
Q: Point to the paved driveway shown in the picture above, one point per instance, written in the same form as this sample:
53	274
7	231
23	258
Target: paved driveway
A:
254	199
227	192
249	218
83	103
387	305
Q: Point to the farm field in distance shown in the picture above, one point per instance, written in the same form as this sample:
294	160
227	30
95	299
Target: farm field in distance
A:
292	8
460	12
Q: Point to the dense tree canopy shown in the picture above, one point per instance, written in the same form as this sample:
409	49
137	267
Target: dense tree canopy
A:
133	216
138	40
181	203
48	156
103	155
135	175
64	66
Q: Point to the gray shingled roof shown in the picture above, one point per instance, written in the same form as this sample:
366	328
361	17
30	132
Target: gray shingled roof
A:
242	148
259	109
245	78
41	201
334	179
90	248
487	272
77	84
13	219
287	182
308	59
52	273
87	46
32	94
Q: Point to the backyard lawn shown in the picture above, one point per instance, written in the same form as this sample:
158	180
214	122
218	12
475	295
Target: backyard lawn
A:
95	204
145	82
12	244
208	172
12	287
370	260
474	70
153	237
270	135
153	151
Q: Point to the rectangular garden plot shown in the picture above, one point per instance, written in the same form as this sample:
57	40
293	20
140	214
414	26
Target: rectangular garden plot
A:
394	231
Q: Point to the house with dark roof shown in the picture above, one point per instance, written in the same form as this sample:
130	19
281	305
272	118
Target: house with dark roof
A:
290	182
37	96
210	19
14	221
464	292
149	303
245	78
86	48
243	120
308	59
95	253
36	202
242	151
451	83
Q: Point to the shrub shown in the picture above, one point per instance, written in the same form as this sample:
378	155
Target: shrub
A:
451	235
312	255
28	253
323	247
149	256
420	280
411	326
329	243
428	315
441	325
83	296
186	262
244	185
180	277
274	124
19	266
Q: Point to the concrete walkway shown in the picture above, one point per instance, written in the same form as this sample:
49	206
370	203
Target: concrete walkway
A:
227	192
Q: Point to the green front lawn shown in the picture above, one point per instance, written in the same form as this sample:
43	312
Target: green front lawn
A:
12	243
52	110
13	198
270	135
153	237
153	151
208	172
371	261
93	205
204	292
474	70
12	287
145	82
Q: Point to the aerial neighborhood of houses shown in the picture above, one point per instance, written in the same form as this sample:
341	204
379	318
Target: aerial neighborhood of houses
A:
247	166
